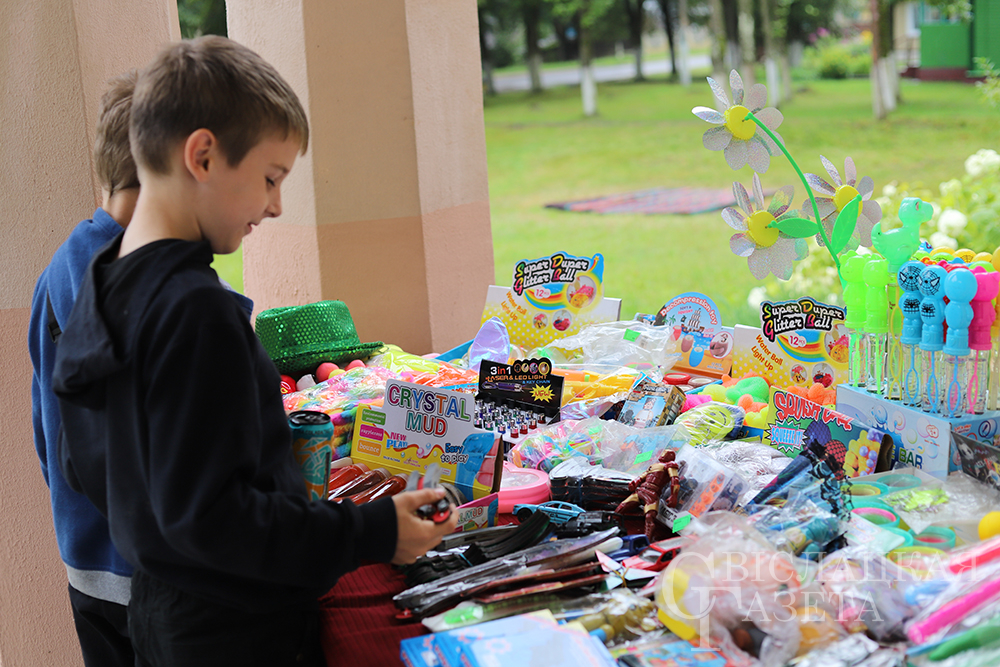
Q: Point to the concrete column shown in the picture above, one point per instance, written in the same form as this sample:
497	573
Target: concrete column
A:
56	56
389	210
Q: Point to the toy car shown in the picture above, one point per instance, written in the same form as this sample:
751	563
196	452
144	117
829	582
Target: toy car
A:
658	555
631	545
558	511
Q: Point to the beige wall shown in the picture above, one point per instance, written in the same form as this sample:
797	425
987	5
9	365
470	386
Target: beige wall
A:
55	58
389	211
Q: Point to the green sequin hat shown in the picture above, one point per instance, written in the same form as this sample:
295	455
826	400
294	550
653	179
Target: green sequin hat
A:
300	338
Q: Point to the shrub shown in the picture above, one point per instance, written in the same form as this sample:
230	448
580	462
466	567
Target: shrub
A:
834	62
829	58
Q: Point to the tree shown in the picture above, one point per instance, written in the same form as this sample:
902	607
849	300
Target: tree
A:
666	8
636	21
202	17
717	32
747	51
497	45
588	13
531	15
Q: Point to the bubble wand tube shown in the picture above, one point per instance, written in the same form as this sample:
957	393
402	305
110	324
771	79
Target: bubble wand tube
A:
995	359
898	246
855	292
979	338
909	281
960	287
895	360
876	276
932	335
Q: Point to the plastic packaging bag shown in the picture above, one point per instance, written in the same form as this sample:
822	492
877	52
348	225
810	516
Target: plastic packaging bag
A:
799	527
706	485
590	390
492	343
968	598
634	344
759	464
732	587
855	651
955	500
610	443
868	592
430	372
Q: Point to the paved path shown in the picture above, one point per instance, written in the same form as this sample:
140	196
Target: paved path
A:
570	76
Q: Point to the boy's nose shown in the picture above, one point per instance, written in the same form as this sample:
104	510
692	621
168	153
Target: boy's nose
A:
274	208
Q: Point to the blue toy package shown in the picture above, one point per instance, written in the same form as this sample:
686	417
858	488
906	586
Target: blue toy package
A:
448	645
419	652
557	646
668	651
534	638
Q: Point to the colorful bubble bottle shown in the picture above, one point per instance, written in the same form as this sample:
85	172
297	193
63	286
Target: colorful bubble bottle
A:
960	287
980	340
932	334
876	277
908	279
897	246
994	397
854	298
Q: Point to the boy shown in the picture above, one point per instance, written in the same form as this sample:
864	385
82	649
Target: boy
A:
98	575
196	474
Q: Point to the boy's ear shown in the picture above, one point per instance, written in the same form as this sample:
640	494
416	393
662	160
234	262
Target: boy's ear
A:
201	154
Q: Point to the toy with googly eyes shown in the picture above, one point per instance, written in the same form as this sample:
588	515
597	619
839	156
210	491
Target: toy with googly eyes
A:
908	279
932	334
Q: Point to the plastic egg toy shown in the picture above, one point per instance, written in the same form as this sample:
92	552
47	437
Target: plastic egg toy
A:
357	363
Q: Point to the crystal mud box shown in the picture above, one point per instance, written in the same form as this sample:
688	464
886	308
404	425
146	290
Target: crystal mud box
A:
420	425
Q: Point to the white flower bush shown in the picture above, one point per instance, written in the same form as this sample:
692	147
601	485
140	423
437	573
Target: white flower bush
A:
952	222
942	240
756	296
983	161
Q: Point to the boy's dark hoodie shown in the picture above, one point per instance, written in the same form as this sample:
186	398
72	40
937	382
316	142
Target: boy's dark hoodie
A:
173	426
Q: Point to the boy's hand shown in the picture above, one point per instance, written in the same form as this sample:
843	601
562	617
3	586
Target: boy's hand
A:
414	536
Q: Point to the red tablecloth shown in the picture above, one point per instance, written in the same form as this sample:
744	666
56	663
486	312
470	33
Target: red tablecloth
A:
358	627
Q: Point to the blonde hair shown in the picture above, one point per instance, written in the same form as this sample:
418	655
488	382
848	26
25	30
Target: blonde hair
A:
112	157
216	84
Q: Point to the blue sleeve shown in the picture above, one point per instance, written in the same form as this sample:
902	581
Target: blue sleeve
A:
36	351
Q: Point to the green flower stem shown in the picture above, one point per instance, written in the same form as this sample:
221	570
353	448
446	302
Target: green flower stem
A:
812	198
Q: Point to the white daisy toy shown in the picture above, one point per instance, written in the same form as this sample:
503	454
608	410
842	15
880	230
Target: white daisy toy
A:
766	248
834	197
738	136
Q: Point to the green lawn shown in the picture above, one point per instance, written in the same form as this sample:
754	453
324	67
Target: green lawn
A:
541	150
